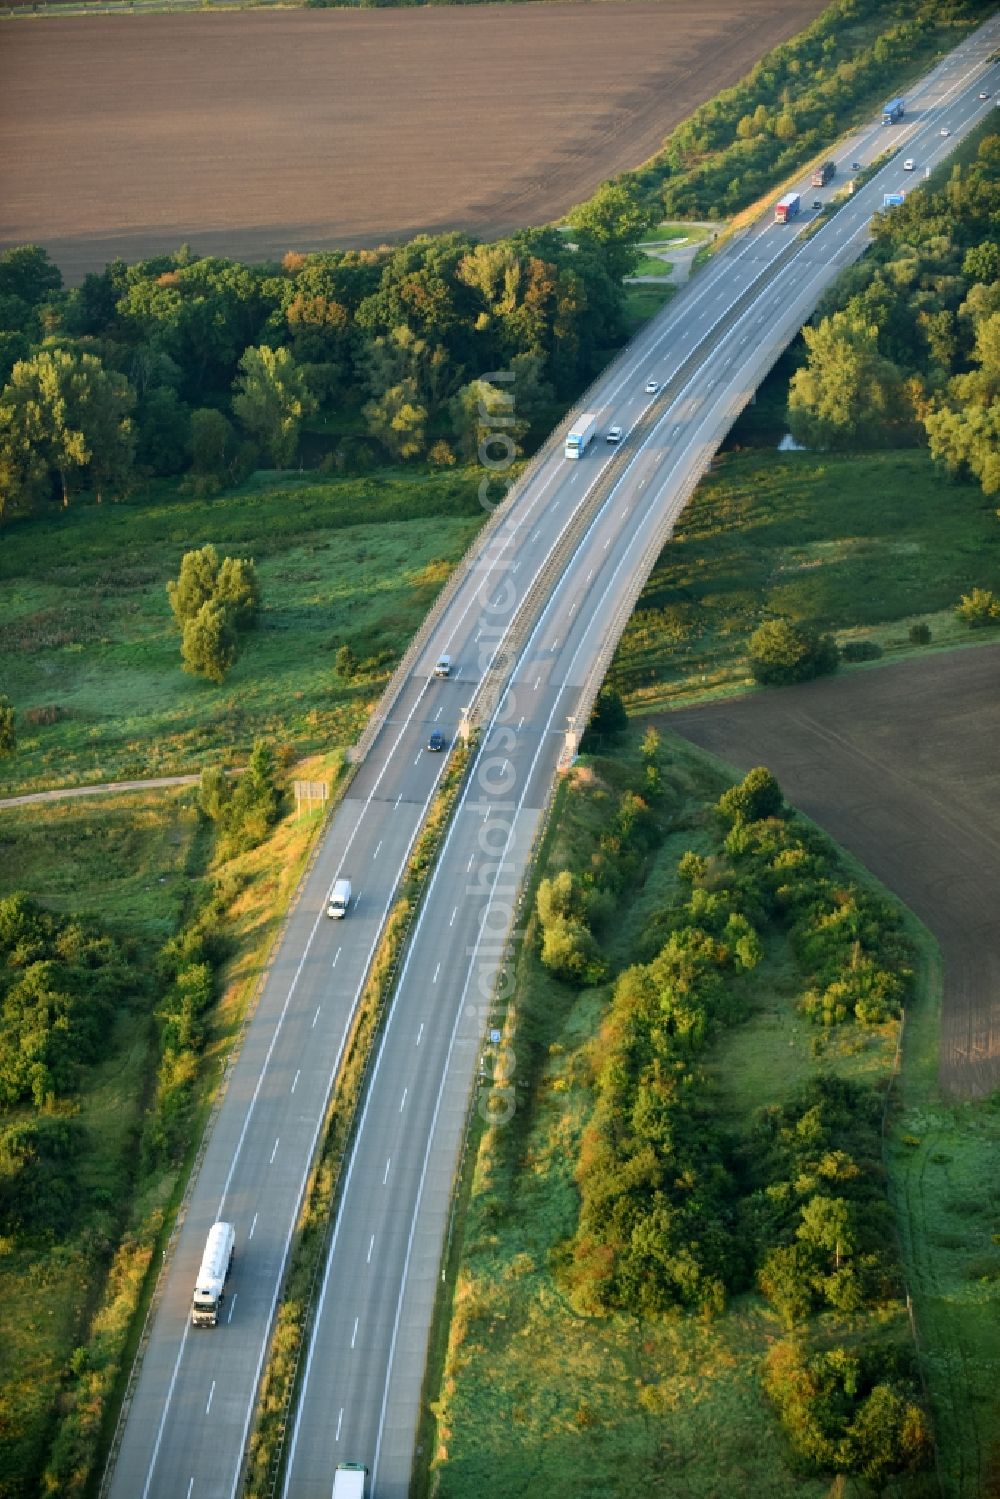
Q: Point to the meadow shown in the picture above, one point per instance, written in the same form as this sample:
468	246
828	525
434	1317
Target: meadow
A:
90	653
862	546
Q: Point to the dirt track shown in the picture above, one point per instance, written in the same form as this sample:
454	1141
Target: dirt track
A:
900	764
252	133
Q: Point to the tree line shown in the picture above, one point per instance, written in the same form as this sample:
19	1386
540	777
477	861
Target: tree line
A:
674	1212
794	103
905	348
207	367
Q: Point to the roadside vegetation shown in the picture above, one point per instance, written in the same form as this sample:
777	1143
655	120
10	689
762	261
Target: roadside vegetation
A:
678	1264
186	888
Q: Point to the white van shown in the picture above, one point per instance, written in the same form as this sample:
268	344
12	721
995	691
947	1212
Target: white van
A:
340	899
443	667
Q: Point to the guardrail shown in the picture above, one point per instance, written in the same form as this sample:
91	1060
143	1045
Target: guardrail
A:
386	991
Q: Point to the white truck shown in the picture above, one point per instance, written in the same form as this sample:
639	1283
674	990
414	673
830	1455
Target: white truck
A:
216	1263
580	435
340	899
349	1481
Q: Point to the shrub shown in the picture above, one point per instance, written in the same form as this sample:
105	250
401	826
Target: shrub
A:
978	608
781	653
920	634
861	650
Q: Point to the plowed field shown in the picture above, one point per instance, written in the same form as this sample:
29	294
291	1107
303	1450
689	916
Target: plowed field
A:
899	765
252	133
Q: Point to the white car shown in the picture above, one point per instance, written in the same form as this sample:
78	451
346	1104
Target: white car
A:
614	434
984	95
945	130
652	386
909	164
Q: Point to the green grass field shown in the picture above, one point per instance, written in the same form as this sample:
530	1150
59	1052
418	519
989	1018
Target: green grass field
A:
652	265
860	546
532	1396
86	629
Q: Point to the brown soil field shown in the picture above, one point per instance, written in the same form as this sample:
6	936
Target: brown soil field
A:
899	764
251	133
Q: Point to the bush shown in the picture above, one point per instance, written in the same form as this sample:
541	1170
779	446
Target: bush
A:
978	608
920	634
781	653
861	650
757	795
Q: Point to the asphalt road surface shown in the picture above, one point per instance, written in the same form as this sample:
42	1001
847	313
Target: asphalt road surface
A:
571	540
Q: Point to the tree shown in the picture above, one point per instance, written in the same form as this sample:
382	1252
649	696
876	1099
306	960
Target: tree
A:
963	427
8	728
780	653
484	424
847	395
213	443
195	584
236	587
163	428
616	217
398	420
889	1435
208	645
758	795
27	272
62	414
271	399
608	716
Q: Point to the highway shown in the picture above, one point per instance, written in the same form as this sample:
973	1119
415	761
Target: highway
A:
530	618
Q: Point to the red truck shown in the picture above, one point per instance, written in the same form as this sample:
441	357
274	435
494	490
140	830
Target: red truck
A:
786	208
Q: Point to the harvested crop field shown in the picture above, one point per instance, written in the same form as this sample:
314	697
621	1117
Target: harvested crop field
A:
899	765
250	133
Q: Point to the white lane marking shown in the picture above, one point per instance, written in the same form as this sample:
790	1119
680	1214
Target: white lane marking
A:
453	915
589	575
399	799
371	1246
402	1101
316	1016
538	683
436	972
340	1422
417	760
520	721
190	1486
723	271
211	1393
274	1152
470	863
232	1306
296	1079
354	1334
386	1176
438	713
252	1227
536	535
335	957
377	847
607	543
554	644
420	1032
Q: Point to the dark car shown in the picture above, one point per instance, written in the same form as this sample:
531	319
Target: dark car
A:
436	741
855	166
